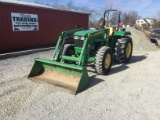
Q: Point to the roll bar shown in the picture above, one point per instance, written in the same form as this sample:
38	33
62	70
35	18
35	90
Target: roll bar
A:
107	11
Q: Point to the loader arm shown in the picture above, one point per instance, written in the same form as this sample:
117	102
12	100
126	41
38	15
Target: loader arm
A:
83	55
61	40
90	38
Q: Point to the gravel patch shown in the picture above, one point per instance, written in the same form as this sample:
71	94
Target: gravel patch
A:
129	91
140	41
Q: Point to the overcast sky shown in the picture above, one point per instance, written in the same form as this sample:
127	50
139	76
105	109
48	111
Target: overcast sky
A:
145	8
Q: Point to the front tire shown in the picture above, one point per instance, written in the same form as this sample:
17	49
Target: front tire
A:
103	60
68	50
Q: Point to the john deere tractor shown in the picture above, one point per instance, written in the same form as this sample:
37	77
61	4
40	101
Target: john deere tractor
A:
76	48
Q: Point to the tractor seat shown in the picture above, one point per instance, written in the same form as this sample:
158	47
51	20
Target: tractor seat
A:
111	30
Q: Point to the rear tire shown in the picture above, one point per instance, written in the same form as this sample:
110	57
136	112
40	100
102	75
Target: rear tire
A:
123	50
103	60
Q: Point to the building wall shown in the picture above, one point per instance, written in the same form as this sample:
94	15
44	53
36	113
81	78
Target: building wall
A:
51	24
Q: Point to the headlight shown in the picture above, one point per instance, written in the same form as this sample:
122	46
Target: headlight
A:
82	38
76	37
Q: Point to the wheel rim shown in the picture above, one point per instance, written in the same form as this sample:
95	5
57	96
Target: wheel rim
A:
107	61
128	50
70	52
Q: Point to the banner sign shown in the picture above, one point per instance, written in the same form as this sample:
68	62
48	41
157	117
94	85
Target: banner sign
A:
24	22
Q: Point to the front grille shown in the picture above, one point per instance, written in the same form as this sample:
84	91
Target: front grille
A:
78	43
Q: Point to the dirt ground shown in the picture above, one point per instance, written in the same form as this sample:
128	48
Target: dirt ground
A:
129	92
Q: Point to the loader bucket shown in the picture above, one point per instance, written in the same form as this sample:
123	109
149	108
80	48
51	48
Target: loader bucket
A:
71	77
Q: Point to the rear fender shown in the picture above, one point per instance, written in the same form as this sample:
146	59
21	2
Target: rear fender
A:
116	36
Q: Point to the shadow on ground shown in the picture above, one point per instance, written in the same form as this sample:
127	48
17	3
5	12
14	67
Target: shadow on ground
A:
135	58
94	81
115	69
121	67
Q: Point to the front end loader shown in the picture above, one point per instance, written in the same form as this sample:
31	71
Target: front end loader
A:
68	69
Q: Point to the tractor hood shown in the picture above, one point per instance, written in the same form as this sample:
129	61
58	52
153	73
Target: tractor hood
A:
87	32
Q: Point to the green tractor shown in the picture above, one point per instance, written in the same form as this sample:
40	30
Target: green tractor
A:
68	66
